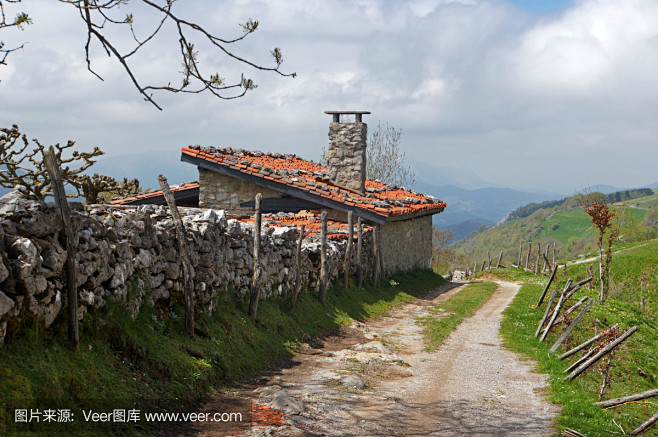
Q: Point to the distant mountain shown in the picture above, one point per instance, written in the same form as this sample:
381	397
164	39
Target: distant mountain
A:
467	210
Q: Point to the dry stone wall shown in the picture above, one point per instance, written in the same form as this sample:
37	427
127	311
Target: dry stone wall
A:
131	256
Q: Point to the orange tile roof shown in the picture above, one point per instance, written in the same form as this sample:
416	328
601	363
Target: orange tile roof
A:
336	230
384	200
152	194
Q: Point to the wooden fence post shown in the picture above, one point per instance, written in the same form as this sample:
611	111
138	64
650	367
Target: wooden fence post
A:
640	429
550	280
359	250
298	267
255	283
527	256
489	258
475	267
573	375
181	236
636	397
572	325
587	343
556	312
322	293
348	249
520	253
500	257
553	252
380	237
70	243
375	249
538	258
483	263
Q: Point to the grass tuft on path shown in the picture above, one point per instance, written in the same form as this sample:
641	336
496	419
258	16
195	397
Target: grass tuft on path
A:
451	313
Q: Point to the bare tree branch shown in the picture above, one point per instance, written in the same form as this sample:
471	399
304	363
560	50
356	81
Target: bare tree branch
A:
101	17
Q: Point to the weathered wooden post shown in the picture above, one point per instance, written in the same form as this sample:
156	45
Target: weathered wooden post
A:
475	267
70	242
483	262
538	258
546	258
375	249
645	425
489	258
348	249
572	325
611	346
527	257
550	280
255	282
359	251
520	253
553	252
298	269
583	345
322	292
181	235
500	258
380	237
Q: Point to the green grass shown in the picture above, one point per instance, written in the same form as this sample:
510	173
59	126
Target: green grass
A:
453	311
627	267
126	363
577	397
566	224
644	202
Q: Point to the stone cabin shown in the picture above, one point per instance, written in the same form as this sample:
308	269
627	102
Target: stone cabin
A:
229	179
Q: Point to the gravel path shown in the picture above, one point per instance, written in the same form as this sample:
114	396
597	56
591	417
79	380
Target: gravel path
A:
376	378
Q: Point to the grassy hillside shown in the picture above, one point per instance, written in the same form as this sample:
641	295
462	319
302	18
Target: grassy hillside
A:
634	364
567	226
149	364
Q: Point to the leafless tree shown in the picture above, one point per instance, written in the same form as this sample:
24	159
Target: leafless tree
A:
385	159
102	19
22	165
20	21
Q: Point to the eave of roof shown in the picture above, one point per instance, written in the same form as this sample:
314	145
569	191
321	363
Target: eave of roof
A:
182	191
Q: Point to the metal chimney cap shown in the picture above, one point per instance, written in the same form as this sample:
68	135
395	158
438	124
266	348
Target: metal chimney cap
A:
337	114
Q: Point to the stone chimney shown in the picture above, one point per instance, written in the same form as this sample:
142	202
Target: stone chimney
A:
346	157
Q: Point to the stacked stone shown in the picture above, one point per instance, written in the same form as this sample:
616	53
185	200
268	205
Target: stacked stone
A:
131	256
346	156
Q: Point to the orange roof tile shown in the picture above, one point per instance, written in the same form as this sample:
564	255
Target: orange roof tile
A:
384	200
336	230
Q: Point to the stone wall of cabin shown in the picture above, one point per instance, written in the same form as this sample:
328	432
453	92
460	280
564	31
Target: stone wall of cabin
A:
219	191
407	245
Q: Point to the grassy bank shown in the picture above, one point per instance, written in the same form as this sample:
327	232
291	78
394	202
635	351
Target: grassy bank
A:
128	364
633	359
453	311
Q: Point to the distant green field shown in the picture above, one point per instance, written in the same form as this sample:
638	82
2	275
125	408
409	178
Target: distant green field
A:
576	223
645	202
566	224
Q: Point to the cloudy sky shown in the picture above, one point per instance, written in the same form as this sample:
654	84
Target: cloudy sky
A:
552	95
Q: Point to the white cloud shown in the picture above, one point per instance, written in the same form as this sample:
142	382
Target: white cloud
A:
466	81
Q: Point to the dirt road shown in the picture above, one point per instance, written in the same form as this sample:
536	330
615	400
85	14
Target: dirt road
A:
376	378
